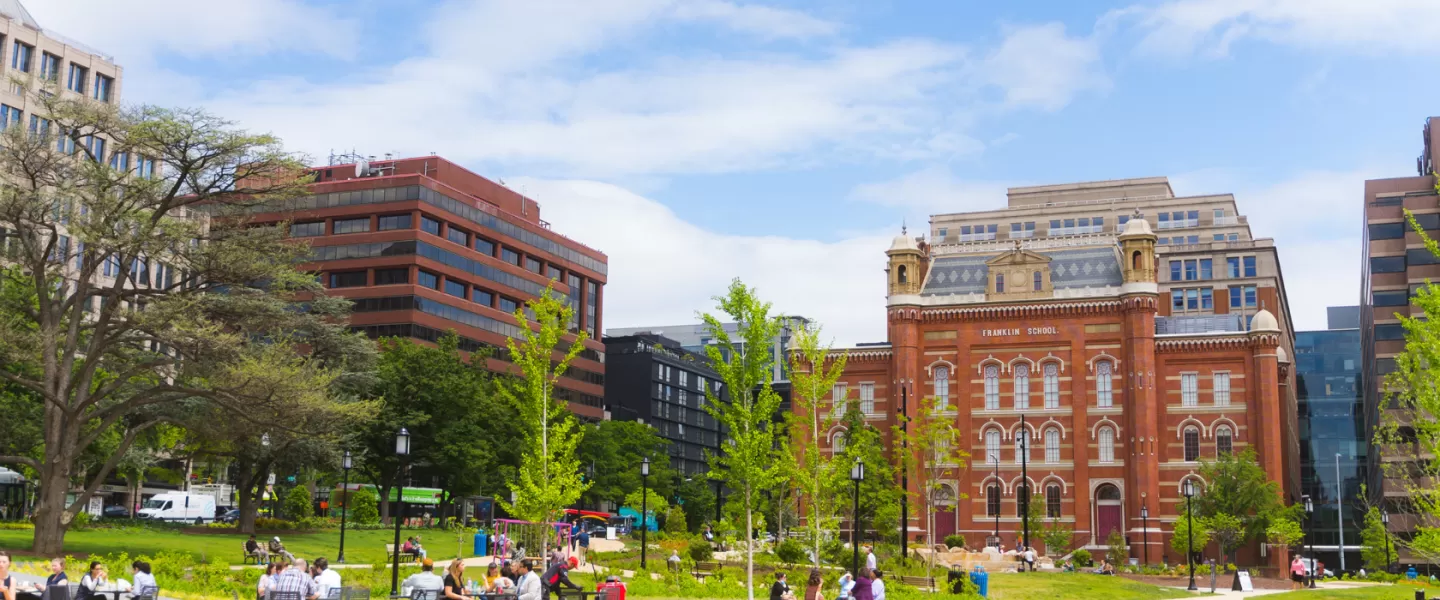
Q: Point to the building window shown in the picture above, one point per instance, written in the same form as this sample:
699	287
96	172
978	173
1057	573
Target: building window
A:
1052	445
992	387
120	161
484	246
1052	501
1051	372
429	225
49	67
1022	387
1022	447
455	288
1107	444
1183	300
510	256
144	167
999	283
1221	382
392	222
1192	443
1248	265
347	279
22	57
992	500
1188	393
1389	331
1039	285
307	229
9	115
102	87
837	399
1387	231
1395	298
1022	497
992	446
532	265
360	225
39	126
837	442
1176	266
428	279
553	272
1103	385
1243	295
510	306
867	398
942	388
1224	441
75	81
392	276
482	297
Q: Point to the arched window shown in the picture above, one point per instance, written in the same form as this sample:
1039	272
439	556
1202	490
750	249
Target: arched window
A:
1051	372
1052	500
1103	395
1052	445
1224	440
838	400
1022	447
1192	443
992	446
837	442
1135	260
1107	444
992	387
999	283
901	271
1038	284
992	500
942	388
1022	387
1022	496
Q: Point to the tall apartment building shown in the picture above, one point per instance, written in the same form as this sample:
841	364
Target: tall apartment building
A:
652	379
1334	436
695	337
1396	266
423	246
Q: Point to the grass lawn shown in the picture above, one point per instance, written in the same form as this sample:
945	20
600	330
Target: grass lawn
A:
1398	591
1015	586
361	547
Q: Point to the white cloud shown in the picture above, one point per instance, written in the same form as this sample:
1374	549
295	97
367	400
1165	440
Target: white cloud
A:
760	20
1182	27
1042	67
664	269
137	31
933	190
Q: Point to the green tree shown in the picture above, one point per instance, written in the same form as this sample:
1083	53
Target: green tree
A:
1376	550
365	507
747	462
297	504
1182	542
1285	533
1056	534
675	520
880	492
698	500
549	477
932	444
610	455
654	503
814	369
1238	487
1228	532
116	355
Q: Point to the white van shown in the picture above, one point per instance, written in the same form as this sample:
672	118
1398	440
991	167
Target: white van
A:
179	506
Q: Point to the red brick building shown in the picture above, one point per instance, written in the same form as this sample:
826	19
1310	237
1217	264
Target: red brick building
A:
423	246
1062	331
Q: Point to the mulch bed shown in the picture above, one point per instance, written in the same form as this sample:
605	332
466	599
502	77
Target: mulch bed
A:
1203	581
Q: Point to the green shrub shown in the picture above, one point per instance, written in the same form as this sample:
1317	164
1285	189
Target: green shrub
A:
1117	553
1082	558
700	551
954	541
675	521
81	521
790	551
298	505
274	524
364	507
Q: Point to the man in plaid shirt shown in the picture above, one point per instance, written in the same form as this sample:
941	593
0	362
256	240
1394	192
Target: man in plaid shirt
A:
297	579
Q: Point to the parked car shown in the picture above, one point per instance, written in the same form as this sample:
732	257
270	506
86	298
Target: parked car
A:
115	511
229	516
1310	564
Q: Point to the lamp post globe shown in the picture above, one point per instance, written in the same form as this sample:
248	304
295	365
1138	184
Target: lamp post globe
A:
1145	530
346	463
1385	522
1309	514
402	452
857	475
1188	489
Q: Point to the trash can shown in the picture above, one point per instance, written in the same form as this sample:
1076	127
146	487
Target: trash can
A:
480	544
957	579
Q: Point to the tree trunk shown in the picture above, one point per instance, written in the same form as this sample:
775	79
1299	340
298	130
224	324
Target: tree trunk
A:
50	521
749	546
384	492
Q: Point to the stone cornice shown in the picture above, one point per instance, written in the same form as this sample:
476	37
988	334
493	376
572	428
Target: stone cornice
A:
1204	342
1014	311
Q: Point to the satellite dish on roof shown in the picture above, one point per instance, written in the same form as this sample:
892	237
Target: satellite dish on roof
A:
362	168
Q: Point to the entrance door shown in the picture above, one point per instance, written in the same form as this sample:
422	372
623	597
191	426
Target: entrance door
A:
944	523
1108	515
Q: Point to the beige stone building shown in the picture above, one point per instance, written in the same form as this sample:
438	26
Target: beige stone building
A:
33	56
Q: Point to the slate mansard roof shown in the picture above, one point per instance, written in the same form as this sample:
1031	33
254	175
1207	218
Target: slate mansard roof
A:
1069	268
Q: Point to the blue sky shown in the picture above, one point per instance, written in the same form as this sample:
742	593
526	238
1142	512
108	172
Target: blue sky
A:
785	142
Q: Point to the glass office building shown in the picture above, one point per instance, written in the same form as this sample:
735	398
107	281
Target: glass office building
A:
1333	436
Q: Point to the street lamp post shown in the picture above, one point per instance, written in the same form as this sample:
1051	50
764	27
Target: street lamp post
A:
905	472
1145	530
644	506
265	443
995	459
345	466
1025	483
1309	514
402	451
857	475
1189	491
1385	522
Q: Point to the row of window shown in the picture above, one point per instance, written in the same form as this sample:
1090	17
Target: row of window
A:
1184	300
1224	444
1052	501
65	143
22	58
1200	269
1104	390
1395	231
1083	225
668	374
839	398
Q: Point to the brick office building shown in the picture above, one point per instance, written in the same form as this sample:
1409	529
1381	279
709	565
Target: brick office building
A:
423	246
1063	331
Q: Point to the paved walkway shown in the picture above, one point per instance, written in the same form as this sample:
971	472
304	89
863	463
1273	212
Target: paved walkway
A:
1329	585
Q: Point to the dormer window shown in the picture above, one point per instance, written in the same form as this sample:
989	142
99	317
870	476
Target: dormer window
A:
999	283
901	273
1038	285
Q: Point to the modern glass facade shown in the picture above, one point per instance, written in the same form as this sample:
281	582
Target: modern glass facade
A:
1333	439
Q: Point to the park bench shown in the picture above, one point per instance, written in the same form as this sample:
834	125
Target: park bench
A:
405	557
923	583
703	569
249	556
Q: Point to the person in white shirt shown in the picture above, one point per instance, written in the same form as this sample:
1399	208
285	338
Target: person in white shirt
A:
529	587
425	580
1030	557
870	558
326	578
877	588
144	582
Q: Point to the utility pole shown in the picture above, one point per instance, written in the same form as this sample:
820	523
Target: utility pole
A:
905	471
